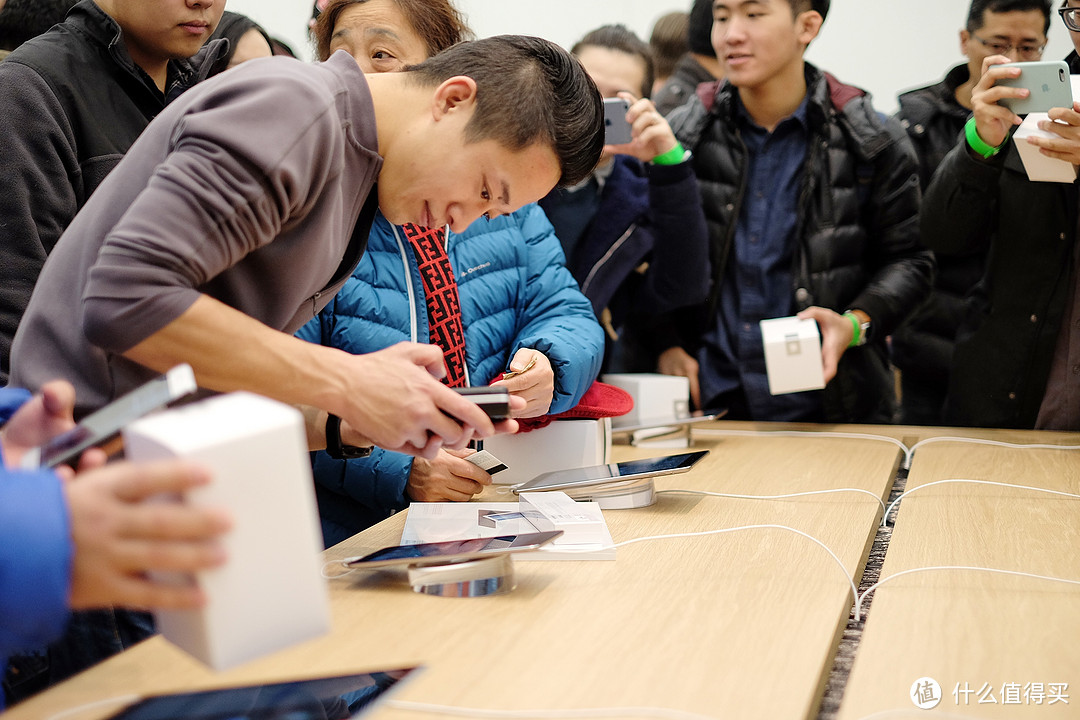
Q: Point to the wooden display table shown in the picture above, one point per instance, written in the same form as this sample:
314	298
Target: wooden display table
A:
981	637
740	625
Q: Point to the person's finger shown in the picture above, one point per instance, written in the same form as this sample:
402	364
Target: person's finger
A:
138	482
58	398
138	592
136	556
173	521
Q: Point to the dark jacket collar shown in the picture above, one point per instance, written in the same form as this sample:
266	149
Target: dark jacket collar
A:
100	29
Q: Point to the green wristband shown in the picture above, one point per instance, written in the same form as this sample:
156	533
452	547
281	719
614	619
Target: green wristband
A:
857	330
977	143
674	156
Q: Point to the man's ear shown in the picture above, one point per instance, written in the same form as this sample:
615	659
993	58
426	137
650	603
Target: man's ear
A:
453	95
964	37
808	25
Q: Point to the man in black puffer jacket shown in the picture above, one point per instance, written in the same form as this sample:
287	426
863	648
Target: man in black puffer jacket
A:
1017	357
934	117
812	200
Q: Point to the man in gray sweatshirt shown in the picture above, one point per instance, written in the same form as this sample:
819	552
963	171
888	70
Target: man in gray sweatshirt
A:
243	207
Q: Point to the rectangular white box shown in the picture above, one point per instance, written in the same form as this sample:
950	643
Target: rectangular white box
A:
792	355
560	445
270	593
1040	168
657	398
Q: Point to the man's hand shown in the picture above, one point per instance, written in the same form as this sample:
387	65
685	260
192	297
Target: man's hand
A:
836	335
678	362
651	133
393	399
44	416
119	536
1065	123
446	477
532	380
993	121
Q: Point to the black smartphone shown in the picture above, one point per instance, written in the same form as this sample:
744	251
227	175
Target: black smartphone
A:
493	400
102	426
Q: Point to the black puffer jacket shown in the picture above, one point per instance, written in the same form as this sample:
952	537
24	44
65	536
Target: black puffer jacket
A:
73	102
1004	350
923	347
857	233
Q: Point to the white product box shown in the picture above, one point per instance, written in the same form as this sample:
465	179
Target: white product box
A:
657	398
270	593
792	355
562	444
1040	168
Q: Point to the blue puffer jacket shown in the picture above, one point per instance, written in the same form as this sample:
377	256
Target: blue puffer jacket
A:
515	292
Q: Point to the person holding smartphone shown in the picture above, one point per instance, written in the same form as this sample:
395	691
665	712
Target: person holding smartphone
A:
523	321
87	540
633	231
1018	353
934	117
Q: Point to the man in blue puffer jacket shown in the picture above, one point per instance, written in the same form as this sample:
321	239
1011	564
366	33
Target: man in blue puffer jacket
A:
518	301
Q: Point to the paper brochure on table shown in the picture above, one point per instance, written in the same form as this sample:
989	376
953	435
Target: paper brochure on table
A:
584	538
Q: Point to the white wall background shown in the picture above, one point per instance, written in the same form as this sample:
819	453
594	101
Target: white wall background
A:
883	46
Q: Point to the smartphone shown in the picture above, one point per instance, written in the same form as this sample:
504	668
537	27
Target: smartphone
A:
441	553
1047	82
612	472
492	399
616	128
104	425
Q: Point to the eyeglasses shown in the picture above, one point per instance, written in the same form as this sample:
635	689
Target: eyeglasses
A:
1024	52
1071	16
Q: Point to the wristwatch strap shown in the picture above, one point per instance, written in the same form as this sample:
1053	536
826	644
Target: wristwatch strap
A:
334	448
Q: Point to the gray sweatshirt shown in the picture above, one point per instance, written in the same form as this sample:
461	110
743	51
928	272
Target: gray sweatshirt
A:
247	189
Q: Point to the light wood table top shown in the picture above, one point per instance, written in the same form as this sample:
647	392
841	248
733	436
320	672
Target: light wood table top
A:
965	629
739	625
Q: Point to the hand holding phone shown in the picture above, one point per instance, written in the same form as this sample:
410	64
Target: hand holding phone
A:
1047	83
104	426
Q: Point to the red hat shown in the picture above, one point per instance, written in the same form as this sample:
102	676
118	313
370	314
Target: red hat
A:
599	401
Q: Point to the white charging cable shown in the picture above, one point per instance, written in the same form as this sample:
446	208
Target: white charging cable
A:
809	433
775	497
901	496
615	712
1016	573
981	441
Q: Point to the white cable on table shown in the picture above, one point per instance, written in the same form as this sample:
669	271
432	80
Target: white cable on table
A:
775	497
622	712
1016	573
980	441
810	433
885	519
94	705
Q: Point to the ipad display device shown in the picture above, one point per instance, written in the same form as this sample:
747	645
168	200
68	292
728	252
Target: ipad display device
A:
627	471
329	698
102	426
441	553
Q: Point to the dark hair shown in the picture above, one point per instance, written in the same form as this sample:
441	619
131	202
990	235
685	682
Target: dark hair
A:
979	8
21	20
668	42
437	22
619	37
699	30
800	6
529	90
234	26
